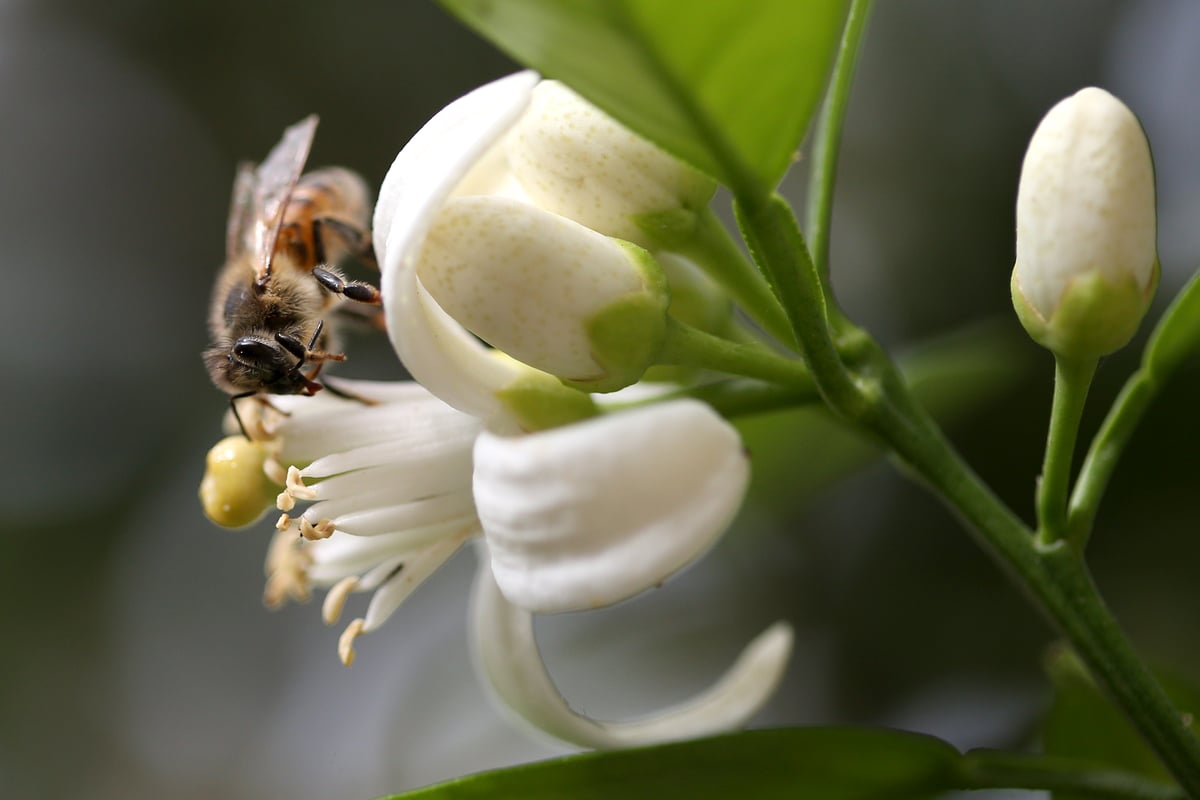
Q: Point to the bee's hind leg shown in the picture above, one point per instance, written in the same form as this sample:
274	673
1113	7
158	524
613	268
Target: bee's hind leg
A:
358	291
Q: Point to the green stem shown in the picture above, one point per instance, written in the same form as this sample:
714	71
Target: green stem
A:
1072	379
827	141
778	248
686	346
714	250
1054	575
1105	453
991	769
878	400
737	397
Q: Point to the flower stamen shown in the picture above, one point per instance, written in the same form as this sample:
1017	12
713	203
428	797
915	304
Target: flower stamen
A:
275	471
296	487
322	530
287	571
335	599
346	642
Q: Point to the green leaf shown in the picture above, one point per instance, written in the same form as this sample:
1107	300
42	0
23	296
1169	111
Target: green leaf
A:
727	85
829	763
1083	724
1178	332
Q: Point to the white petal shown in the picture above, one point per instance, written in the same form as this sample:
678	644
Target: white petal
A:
507	655
342	554
527	281
381	512
434	348
397	483
396	590
593	513
320	426
410	517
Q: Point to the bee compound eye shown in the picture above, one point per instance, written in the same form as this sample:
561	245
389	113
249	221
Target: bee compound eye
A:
250	349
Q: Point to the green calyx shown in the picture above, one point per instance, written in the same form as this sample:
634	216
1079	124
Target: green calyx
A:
1094	317
670	229
627	335
539	401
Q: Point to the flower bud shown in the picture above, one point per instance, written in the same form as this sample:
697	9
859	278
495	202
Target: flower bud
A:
547	291
1086	264
234	490
573	159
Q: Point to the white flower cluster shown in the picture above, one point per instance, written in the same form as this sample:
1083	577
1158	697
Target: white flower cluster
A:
514	218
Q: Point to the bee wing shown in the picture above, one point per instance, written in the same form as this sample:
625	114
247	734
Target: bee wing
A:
240	227
273	183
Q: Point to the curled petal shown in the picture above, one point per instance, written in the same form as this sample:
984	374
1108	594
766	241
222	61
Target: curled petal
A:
590	514
507	654
435	348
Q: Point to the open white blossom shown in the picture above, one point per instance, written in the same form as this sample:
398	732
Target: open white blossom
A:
576	509
574	517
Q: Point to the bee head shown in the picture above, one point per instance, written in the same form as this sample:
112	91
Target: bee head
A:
259	364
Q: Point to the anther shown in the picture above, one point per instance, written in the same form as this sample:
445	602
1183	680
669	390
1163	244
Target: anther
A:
322	530
296	487
346	642
335	599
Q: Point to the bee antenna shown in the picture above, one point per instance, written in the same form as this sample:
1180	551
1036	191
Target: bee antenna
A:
316	334
233	407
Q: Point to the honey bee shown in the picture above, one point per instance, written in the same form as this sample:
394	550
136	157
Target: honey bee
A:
279	285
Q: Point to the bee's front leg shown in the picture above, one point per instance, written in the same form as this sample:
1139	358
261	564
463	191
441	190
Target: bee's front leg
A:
307	355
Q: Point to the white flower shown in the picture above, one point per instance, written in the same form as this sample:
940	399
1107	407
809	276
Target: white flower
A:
587	511
476	229
1087	263
576	517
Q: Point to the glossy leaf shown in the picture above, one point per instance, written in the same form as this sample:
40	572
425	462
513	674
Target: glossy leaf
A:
829	763
728	86
1177	334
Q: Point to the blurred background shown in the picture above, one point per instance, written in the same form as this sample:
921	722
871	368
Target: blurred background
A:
137	659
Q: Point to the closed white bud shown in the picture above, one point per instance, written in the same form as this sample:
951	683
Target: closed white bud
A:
573	159
1087	264
547	291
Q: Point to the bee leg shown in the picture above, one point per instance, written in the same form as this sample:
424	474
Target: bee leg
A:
331	235
306	355
353	290
334	389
